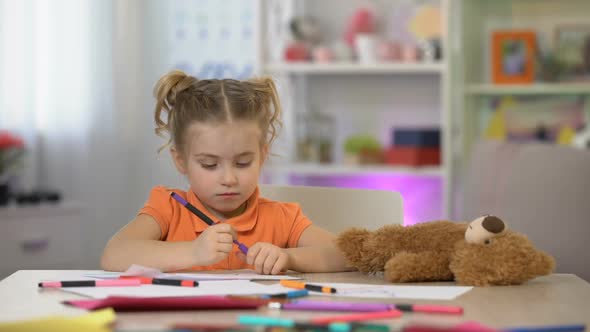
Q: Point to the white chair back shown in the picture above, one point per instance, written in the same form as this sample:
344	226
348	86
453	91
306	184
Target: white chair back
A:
336	209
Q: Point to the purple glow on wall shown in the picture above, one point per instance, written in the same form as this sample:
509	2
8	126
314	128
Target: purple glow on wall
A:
422	195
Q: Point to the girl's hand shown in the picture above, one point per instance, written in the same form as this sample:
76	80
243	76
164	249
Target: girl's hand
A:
214	244
267	258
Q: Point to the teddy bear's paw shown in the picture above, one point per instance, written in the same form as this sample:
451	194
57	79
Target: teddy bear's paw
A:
351	243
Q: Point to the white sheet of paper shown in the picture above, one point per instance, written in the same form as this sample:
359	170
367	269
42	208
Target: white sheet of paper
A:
136	270
388	291
133	271
235	275
220	287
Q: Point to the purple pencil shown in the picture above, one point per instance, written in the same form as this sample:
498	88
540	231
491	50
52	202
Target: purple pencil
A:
367	307
332	306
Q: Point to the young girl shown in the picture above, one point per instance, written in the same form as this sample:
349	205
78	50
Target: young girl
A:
220	135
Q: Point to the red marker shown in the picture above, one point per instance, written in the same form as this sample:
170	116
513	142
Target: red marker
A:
90	283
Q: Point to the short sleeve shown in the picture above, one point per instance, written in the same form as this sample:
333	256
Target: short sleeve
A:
300	223
159	207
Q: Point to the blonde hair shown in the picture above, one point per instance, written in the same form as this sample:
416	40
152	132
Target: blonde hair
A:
187	100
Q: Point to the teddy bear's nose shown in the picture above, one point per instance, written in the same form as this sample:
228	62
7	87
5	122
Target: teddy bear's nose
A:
493	224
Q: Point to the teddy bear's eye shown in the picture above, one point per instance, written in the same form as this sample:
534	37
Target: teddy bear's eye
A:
487	241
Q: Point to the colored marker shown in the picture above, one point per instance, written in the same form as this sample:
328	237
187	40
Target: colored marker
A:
289	323
168	282
368	307
90	283
429	308
331	306
310	287
288	295
358	317
204	218
556	328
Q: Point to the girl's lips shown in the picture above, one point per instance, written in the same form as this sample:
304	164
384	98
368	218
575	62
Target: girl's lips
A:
228	194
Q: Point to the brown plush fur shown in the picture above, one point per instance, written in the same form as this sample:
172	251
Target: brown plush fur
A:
438	251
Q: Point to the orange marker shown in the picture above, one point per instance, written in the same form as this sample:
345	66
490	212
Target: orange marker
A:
310	287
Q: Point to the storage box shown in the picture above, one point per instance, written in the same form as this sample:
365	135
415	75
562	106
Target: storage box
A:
426	137
412	156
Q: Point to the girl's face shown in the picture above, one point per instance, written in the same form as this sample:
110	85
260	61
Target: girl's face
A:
222	163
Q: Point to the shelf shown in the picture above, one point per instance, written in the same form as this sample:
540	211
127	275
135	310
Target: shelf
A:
355	68
533	89
339	169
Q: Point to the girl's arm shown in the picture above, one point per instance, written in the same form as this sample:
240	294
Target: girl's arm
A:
316	252
138	243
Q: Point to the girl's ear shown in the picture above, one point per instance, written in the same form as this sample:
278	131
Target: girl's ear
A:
179	161
264	153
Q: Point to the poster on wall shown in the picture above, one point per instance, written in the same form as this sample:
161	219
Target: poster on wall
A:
213	39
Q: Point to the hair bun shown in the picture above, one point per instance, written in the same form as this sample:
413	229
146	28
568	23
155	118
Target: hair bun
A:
170	85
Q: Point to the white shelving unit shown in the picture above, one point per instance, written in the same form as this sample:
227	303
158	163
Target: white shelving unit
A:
471	61
339	169
301	85
355	68
533	89
471	85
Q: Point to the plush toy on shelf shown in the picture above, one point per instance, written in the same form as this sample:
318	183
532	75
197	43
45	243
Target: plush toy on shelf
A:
306	35
480	253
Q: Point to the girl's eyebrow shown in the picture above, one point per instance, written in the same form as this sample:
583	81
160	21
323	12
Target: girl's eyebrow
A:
209	155
205	155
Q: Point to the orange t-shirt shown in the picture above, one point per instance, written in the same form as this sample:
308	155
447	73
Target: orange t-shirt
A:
263	221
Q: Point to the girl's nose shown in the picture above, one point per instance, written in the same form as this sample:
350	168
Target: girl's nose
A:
229	177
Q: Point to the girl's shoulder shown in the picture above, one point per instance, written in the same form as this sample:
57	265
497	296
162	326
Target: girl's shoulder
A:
269	206
160	198
163	192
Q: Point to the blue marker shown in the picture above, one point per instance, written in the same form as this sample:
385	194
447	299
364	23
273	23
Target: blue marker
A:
556	328
288	295
204	218
289	323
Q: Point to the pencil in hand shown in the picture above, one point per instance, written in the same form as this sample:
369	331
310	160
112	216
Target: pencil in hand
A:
243	248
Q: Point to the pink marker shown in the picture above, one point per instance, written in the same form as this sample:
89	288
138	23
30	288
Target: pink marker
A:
430	308
90	283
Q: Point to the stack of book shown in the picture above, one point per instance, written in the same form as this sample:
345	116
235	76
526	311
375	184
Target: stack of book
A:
414	147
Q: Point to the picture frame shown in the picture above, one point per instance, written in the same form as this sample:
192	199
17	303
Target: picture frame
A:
571	44
513	56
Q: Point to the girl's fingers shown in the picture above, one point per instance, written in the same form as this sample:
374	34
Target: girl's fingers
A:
225	238
225	247
259	261
279	265
252	254
269	262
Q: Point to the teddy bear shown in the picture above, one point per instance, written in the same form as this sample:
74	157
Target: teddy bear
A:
483	252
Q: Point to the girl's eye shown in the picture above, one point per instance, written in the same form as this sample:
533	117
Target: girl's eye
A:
208	166
246	164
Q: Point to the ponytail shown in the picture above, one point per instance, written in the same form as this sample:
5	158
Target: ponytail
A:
166	92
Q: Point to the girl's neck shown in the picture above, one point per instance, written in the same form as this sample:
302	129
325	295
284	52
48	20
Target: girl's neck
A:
223	216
